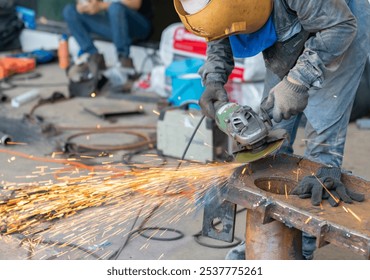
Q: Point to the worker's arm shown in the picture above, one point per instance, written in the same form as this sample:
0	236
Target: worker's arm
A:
95	6
219	63
334	28
214	73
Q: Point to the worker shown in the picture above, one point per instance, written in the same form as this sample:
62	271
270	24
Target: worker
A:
314	52
121	21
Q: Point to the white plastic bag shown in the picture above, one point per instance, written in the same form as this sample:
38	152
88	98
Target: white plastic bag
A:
158	81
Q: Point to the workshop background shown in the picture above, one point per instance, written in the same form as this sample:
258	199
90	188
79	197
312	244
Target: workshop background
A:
100	166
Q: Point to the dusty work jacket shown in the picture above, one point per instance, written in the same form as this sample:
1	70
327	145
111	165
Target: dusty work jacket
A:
313	38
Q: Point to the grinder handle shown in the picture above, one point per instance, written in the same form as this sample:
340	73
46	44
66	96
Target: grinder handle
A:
264	114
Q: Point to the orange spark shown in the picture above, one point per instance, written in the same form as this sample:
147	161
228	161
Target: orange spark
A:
332	196
286	191
16	143
352	213
308	220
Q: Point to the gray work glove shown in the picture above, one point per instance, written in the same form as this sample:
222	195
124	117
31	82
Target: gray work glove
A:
214	93
330	177
286	99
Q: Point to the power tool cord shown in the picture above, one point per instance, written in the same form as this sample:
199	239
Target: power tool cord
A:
145	141
7	83
141	227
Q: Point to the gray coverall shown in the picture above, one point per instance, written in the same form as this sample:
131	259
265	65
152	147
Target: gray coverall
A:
323	44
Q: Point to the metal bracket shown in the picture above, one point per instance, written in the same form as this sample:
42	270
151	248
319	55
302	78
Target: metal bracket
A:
219	219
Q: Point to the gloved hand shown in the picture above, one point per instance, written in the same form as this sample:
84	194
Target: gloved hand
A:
286	99
330	177
214	93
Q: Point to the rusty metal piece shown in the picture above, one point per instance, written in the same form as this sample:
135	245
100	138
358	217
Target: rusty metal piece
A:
265	189
219	220
272	241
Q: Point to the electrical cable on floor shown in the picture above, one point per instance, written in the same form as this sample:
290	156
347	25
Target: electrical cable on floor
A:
69	146
42	85
6	83
231	245
147	141
179	236
26	77
54	98
127	159
104	128
141	227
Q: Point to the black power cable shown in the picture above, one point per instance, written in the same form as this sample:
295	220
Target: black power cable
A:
141	228
7	84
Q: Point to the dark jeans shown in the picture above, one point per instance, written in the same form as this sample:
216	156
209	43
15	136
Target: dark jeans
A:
118	24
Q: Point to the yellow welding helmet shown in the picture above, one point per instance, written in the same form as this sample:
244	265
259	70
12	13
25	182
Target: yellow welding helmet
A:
217	19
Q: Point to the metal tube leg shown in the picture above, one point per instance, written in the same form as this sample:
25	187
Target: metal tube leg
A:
272	241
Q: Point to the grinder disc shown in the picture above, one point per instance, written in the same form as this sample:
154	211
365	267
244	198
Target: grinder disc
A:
250	156
274	141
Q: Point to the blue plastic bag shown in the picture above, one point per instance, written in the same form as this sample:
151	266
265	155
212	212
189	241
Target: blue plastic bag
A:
186	84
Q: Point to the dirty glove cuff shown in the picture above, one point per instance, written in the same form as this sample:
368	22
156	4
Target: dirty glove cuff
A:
213	95
285	100
294	87
332	172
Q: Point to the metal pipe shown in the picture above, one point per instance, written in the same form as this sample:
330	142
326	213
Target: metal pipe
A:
4	139
25	98
272	241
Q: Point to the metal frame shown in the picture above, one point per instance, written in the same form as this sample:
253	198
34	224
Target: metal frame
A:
346	226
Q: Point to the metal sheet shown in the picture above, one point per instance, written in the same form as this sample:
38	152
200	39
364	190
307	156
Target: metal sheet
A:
346	226
219	220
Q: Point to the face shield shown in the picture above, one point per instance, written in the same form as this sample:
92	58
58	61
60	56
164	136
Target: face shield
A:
216	19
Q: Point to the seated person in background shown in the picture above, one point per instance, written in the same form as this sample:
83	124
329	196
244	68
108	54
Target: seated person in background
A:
120	21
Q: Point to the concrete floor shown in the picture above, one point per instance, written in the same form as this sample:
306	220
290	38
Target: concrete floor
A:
73	113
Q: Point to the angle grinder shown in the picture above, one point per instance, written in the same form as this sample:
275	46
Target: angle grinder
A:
251	131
